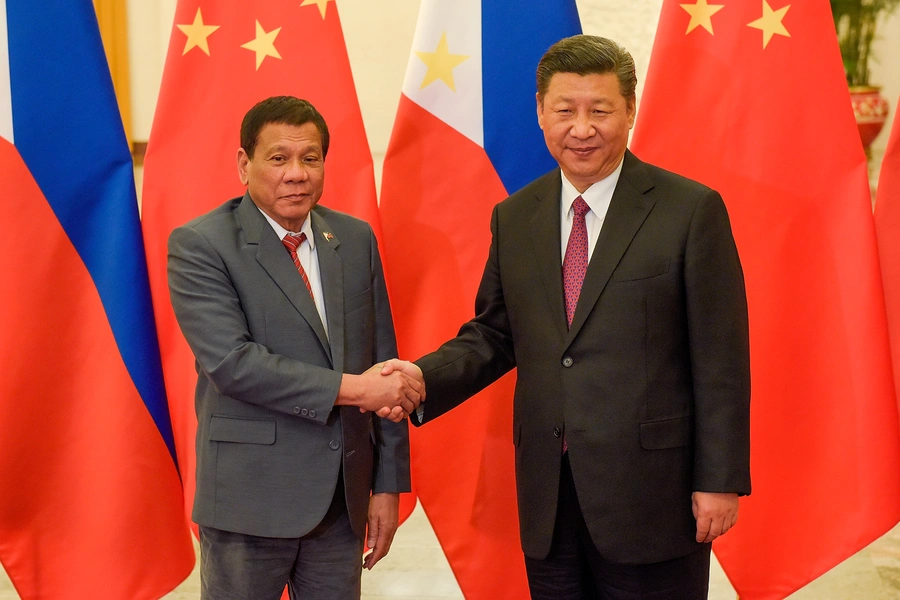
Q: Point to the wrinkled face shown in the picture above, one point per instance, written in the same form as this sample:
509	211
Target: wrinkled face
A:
286	175
585	120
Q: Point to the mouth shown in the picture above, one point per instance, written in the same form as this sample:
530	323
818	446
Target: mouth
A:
583	151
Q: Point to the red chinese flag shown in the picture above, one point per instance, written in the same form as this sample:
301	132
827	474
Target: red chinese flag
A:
224	57
887	228
749	98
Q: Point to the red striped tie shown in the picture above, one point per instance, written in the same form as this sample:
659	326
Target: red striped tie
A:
292	242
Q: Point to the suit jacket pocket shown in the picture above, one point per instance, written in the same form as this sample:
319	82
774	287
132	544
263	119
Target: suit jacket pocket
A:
241	430
673	432
654	269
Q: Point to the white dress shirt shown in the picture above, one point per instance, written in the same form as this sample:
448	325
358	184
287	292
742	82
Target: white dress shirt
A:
598	197
309	258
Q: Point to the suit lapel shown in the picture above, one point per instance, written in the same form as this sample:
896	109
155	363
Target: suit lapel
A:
272	256
628	209
331	270
545	227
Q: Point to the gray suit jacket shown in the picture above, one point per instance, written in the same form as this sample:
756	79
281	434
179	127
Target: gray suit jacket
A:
651	385
270	442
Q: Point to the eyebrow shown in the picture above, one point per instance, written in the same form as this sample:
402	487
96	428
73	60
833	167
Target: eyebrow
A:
312	147
603	100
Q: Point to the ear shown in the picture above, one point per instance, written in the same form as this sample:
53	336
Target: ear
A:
540	106
243	161
631	110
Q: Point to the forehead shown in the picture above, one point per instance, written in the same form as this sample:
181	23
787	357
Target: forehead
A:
593	85
279	134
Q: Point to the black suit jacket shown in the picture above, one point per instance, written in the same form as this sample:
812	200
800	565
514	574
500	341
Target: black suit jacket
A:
651	384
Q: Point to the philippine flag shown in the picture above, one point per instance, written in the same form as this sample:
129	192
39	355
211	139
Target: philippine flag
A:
466	136
90	496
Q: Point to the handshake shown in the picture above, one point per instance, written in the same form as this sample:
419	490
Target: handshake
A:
392	389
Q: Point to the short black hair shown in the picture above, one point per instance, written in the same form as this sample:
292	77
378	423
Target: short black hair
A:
587	55
286	110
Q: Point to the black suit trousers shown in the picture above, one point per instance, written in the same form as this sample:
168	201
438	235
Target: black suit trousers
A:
575	570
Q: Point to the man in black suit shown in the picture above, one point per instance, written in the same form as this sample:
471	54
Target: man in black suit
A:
616	289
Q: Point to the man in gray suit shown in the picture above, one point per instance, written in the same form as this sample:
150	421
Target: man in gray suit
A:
616	289
284	306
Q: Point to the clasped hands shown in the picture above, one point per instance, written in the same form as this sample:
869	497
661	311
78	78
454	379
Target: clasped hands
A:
392	389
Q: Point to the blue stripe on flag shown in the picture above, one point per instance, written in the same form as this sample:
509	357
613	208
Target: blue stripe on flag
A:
515	34
68	130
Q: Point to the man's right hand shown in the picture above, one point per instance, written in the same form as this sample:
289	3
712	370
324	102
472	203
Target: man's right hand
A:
394	395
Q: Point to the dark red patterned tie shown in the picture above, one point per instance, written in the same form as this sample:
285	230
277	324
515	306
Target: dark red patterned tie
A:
292	242
575	266
576	261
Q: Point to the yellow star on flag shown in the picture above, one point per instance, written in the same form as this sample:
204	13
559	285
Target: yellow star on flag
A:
440	64
322	4
263	44
701	15
770	23
197	34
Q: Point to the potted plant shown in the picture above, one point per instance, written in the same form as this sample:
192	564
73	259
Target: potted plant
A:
855	22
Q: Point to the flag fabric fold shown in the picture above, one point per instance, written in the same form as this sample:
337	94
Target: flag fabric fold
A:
92	500
887	228
750	99
465	137
224	57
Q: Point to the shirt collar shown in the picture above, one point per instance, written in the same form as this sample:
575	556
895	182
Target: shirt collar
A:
281	231
597	196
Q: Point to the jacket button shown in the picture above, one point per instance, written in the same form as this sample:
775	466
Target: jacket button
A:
296	410
334	445
556	432
568	362
304	412
312	414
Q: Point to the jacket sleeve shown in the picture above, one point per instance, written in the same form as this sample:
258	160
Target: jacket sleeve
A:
481	352
718	334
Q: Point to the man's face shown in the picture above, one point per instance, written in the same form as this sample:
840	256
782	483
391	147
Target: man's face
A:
585	120
286	175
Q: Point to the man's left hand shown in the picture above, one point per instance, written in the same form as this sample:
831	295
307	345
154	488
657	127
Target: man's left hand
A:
384	516
715	513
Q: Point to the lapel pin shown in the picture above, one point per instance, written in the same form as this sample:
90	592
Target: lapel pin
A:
328	235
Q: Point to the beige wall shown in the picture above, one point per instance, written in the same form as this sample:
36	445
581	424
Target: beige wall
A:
149	26
379	35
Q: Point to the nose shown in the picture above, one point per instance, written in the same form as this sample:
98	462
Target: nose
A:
296	171
582	128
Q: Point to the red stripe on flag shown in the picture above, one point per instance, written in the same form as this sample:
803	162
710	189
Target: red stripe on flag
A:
88	484
438	191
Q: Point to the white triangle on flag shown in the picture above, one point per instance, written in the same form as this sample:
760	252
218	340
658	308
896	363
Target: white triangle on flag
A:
459	23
